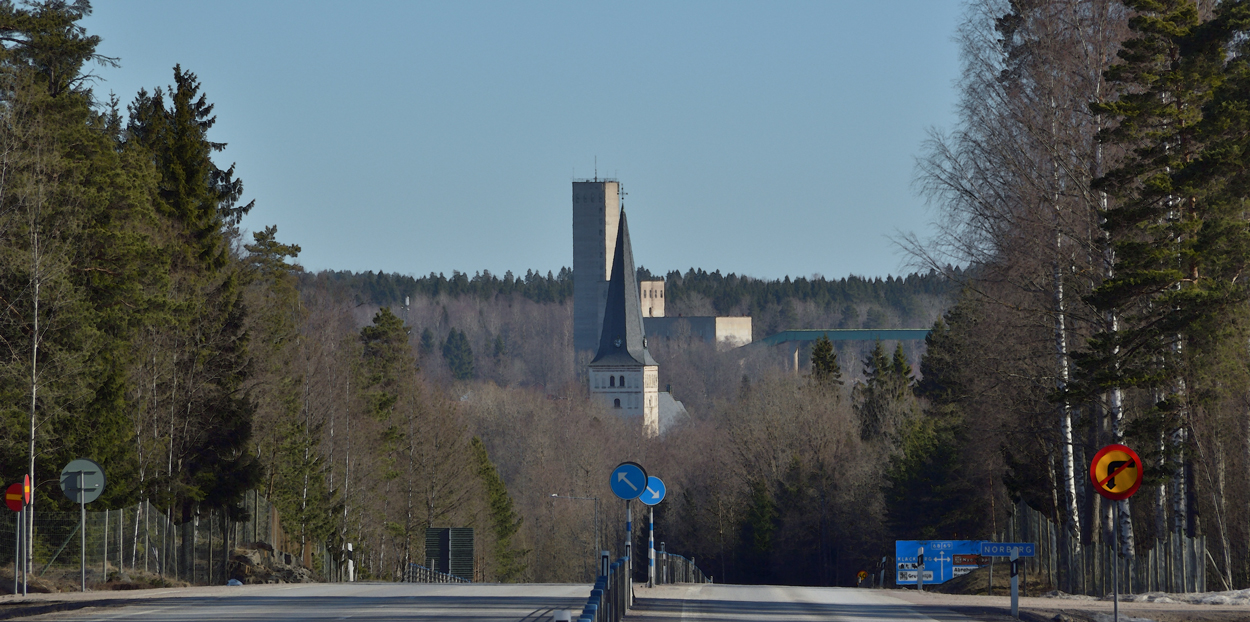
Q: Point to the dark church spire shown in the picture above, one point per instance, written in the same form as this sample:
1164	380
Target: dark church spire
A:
621	341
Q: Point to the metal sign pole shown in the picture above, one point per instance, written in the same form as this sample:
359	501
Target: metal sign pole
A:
28	523
82	525
1115	552
629	548
651	547
17	546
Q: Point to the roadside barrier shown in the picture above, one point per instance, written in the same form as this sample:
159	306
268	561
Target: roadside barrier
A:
611	597
416	573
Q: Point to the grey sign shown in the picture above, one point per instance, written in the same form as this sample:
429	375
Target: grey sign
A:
82	481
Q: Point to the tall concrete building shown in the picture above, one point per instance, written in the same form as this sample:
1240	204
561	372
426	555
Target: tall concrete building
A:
596	214
623	375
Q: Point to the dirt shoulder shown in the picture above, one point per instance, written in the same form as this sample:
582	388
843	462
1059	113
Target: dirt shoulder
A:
1033	609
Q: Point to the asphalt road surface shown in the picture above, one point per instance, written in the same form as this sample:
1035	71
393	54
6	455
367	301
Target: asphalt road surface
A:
372	602
764	603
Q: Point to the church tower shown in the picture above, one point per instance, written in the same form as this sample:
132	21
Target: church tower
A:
596	212
623	375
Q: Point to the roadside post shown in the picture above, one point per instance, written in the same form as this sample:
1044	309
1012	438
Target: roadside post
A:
920	570
1015	583
1116	473
882	583
653	495
82	481
27	531
15	498
628	481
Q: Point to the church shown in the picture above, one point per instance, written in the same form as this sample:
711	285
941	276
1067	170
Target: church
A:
623	375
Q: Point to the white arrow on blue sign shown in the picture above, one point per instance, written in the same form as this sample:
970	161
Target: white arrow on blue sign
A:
654	493
628	480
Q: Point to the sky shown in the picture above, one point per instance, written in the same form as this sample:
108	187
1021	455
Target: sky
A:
760	138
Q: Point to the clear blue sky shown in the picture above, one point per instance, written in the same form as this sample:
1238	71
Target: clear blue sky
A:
760	138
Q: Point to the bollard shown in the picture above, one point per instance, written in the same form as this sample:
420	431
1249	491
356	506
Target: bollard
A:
1015	583
920	570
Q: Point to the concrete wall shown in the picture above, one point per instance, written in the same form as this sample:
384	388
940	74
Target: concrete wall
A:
733	331
726	332
651	295
596	215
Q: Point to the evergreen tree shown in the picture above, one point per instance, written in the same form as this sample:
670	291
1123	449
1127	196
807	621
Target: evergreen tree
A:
504	520
884	400
929	495
459	355
825	368
204	339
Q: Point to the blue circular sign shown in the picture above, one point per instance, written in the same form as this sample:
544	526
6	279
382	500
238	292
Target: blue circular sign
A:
654	493
628	480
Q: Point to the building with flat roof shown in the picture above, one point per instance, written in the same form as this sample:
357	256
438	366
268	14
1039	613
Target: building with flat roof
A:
596	212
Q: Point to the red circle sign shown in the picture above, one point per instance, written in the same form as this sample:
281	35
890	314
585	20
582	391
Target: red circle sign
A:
26	488
13	497
1116	472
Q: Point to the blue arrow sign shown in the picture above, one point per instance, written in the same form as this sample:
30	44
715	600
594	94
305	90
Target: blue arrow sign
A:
628	480
654	493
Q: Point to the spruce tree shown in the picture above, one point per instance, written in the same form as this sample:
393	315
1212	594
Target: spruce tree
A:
459	355
825	368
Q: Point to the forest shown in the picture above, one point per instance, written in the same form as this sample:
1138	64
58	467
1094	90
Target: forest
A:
1083	287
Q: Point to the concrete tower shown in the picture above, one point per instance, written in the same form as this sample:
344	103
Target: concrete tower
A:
596	212
623	375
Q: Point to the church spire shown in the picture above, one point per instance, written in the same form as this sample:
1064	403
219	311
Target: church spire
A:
621	341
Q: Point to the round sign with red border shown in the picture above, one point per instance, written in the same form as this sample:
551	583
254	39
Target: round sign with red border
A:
26	488
1116	472
13	497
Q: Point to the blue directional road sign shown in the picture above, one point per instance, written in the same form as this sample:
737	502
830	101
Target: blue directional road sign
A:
943	560
1003	549
654	493
628	480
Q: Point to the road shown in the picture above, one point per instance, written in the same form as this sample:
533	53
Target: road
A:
765	603
372	602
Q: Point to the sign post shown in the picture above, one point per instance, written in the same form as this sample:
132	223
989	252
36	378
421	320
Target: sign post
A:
653	495
628	481
82	481
1015	583
920	570
1116	472
15	499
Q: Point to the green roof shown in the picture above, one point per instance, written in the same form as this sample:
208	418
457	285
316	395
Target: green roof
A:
846	334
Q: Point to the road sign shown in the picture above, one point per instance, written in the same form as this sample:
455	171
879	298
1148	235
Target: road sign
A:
654	493
628	480
26	488
1116	472
82	481
13	497
1003	549
940	564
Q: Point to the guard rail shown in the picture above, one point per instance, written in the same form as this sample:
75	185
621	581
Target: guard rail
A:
416	573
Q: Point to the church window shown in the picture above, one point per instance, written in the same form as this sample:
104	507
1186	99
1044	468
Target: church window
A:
622	381
611	381
616	403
